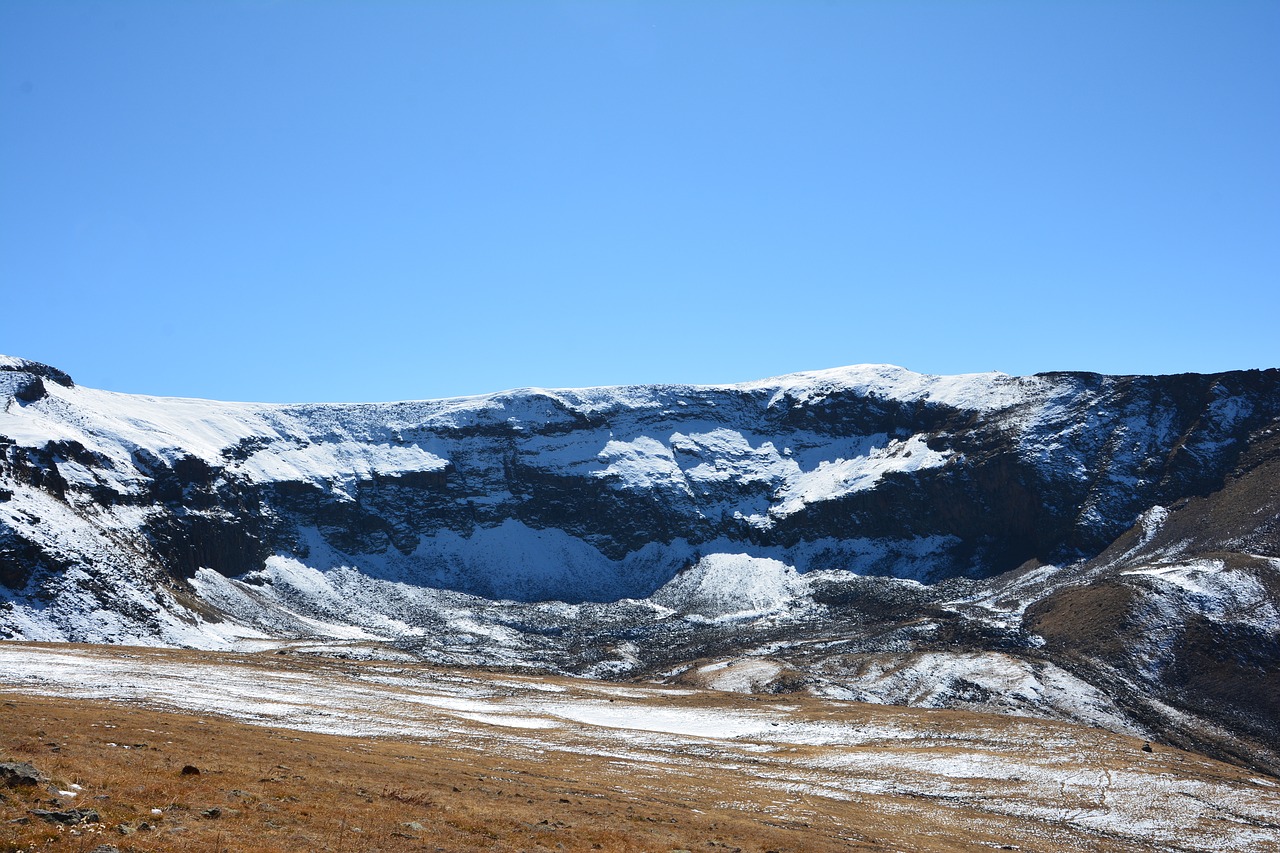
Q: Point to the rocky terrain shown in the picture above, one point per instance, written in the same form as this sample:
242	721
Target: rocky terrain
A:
1073	547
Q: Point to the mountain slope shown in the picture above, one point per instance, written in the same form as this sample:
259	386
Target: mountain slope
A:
1068	545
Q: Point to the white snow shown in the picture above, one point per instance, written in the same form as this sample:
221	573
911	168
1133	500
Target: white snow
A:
1210	588
733	586
743	675
841	477
975	391
643	463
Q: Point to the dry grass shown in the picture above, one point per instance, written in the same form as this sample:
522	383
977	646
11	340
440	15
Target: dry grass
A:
283	791
503	789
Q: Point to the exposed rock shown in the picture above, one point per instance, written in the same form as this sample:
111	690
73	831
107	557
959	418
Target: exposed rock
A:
69	817
20	774
31	390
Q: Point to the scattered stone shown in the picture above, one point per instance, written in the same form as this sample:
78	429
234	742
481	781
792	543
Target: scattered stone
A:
1146	747
20	774
70	817
105	848
190	770
21	821
125	829
415	826
213	813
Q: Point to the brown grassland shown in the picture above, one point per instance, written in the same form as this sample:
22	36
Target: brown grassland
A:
282	790
277	789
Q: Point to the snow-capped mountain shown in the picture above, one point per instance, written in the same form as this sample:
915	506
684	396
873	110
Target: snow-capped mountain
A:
1073	545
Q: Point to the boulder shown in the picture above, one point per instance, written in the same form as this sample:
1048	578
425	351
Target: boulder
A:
20	774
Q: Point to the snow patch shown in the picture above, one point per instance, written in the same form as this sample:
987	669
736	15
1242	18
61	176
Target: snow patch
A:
733	586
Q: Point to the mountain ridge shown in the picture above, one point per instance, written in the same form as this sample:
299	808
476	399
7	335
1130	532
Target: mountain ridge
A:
968	530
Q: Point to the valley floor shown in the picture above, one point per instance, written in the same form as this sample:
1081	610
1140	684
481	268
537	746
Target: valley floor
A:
298	751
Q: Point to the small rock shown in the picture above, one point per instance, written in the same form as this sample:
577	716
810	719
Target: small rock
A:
105	848
190	770
70	817
415	826
1146	747
21	821
125	829
19	774
213	813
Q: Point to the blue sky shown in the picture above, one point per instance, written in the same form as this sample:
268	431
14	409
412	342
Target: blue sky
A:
389	200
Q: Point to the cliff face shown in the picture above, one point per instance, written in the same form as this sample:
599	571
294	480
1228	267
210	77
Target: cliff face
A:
1040	513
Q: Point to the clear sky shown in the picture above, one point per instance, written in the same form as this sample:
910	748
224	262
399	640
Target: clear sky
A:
388	200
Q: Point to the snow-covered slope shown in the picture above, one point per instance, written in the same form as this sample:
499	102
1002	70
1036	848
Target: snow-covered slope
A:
862	532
